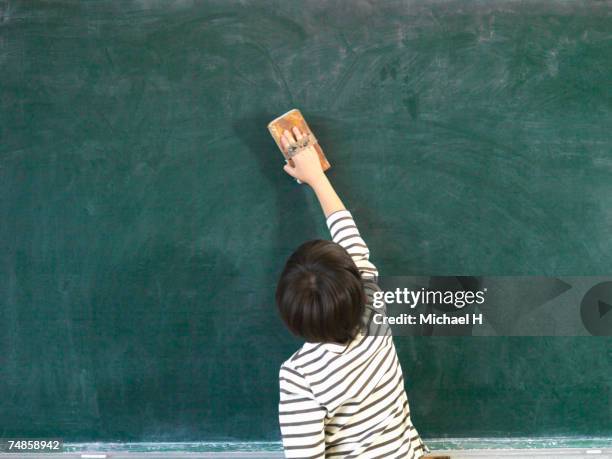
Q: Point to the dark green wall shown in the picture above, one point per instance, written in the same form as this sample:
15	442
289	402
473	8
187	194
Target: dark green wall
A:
144	213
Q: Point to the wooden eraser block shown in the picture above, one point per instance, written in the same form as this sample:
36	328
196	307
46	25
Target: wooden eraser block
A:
286	122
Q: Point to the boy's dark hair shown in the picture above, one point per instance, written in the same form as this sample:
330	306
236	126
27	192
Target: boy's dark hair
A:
319	294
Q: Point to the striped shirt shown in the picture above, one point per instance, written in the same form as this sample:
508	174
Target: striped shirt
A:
348	401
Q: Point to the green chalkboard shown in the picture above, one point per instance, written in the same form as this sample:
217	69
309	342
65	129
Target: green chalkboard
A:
145	216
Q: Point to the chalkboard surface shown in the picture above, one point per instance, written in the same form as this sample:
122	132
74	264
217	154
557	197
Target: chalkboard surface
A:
145	216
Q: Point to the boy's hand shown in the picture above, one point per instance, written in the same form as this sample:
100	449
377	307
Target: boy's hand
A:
307	164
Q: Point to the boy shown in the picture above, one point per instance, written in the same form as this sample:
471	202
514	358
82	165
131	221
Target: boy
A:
342	394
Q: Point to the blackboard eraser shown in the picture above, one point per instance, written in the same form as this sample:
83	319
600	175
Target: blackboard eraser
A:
286	122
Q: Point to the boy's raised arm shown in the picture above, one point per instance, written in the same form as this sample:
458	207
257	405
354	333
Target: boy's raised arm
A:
344	231
308	169
339	220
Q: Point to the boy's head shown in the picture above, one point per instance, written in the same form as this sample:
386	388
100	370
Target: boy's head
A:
320	295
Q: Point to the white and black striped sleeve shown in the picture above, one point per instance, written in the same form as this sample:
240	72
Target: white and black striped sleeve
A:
344	231
301	417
